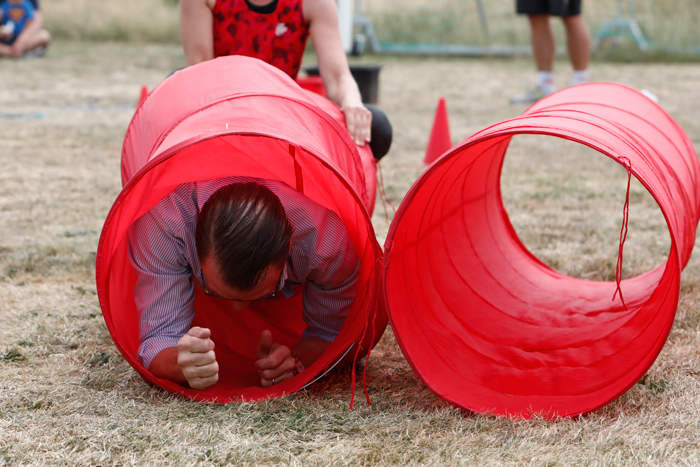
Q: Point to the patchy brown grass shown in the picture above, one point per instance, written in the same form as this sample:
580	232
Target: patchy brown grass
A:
67	397
133	20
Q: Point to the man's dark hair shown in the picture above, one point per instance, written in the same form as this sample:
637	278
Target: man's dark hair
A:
244	229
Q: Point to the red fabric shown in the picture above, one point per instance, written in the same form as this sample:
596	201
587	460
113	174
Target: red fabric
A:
489	327
277	38
256	122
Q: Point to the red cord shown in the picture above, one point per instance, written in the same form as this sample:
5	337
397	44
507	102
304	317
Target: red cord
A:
382	193
623	231
372	289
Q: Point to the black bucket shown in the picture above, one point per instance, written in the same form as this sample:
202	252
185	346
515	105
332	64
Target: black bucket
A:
366	76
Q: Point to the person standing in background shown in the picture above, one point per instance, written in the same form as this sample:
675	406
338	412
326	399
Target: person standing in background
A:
578	43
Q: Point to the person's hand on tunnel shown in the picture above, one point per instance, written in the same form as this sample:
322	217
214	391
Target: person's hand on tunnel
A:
358	120
274	361
196	358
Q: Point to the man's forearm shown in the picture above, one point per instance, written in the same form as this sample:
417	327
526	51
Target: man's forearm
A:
165	366
309	349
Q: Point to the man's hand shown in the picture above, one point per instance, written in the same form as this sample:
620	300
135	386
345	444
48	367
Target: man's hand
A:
358	120
274	363
196	358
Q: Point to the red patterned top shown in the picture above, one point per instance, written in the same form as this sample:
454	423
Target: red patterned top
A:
278	38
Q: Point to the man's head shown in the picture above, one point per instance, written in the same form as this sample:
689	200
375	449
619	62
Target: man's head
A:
243	239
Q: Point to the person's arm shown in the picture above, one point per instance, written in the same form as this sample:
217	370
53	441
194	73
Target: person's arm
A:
331	282
196	30
3	27
325	260
159	245
341	88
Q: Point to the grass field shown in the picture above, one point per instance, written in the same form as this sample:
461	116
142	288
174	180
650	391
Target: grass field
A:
668	29
67	397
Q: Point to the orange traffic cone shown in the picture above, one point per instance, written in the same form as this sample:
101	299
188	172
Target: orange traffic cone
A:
440	140
142	97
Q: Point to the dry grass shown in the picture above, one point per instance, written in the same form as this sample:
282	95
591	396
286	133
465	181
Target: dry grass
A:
667	26
68	398
134	20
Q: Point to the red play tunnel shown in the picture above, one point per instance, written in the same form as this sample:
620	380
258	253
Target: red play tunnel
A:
492	329
481	320
240	116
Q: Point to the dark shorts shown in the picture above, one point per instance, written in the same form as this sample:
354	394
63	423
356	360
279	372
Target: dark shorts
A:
548	7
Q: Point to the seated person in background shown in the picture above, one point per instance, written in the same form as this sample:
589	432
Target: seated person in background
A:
276	32
239	239
21	33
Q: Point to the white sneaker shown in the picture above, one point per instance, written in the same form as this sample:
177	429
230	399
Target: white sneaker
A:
35	53
530	96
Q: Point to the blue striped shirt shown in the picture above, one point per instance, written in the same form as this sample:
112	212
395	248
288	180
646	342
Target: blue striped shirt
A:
163	253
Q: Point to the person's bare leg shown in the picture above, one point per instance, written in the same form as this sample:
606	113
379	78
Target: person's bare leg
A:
578	41
543	51
543	42
39	39
5	50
